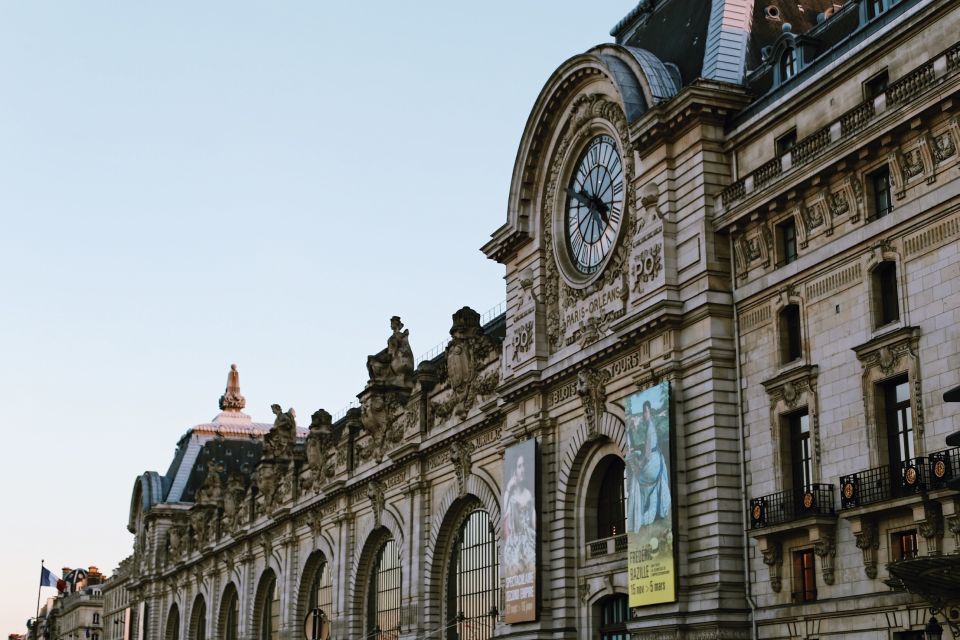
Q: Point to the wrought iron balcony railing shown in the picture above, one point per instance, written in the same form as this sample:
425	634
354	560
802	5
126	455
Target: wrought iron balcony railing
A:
791	505
901	479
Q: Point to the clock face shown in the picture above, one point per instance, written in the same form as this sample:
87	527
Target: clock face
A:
594	205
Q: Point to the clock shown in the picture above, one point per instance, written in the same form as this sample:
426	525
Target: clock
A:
594	205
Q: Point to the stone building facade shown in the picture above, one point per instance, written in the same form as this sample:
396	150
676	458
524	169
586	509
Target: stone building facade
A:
751	204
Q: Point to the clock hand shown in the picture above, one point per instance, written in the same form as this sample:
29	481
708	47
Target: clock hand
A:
580	197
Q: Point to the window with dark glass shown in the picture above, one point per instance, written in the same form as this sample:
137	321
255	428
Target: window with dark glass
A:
875	85
269	622
474	581
613	618
610	501
173	624
886	303
879	184
786	142
899	420
230	615
904	545
804	576
790	344
198	629
800	459
383	600
789	64
321	590
787	241
96	618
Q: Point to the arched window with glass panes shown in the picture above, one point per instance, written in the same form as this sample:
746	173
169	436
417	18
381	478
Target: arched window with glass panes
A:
383	597
173	624
473	580
198	619
268	611
320	589
229	614
606	500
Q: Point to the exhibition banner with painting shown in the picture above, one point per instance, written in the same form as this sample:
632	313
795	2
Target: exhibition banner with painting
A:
649	490
520	531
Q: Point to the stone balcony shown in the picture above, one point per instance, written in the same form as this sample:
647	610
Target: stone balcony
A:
826	141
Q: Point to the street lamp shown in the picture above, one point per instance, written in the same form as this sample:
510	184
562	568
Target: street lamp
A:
933	630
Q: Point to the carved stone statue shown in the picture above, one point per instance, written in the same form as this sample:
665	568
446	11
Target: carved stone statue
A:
267	484
279	441
200	525
174	543
231	400
233	502
210	492
467	355
393	366
380	416
321	451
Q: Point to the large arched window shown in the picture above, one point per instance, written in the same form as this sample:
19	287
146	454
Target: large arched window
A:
173	624
474	580
229	614
268	618
198	619
321	589
383	599
607	504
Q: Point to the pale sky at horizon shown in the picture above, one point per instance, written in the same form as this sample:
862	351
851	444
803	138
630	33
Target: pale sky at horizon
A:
186	185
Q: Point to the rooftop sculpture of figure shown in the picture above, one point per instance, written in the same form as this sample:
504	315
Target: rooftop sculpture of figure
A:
395	364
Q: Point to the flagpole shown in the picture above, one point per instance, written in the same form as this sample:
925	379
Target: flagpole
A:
36	620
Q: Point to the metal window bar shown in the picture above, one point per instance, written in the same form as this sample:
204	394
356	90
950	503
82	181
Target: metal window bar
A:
791	505
477	579
386	594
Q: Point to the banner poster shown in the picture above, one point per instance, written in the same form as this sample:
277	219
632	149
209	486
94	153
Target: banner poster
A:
520	531
650	551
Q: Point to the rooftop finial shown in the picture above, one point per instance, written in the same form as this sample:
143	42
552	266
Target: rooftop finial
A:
231	400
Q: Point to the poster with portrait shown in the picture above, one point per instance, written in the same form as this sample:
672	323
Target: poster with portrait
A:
520	531
649	490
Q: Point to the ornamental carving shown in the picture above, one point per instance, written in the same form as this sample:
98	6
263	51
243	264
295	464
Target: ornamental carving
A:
912	164
231	400
211	491
931	527
837	204
868	541
275	484
175	542
381	414
394	365
202	525
278	442
826	549
584	315
773	558
320	450
522	339
233	502
647	266
592	389
469	354
377	501
460	459
944	146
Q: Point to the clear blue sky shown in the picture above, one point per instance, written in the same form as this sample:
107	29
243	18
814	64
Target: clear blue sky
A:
188	184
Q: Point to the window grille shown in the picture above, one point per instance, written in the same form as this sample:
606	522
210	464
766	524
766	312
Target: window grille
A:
474	582
383	618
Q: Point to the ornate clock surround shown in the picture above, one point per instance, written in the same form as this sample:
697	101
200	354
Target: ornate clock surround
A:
581	306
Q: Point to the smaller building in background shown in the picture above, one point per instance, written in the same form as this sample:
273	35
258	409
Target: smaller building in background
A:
75	614
117	615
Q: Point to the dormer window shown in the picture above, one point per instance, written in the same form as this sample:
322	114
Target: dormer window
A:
789	64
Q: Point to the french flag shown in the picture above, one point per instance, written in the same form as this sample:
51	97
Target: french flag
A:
47	578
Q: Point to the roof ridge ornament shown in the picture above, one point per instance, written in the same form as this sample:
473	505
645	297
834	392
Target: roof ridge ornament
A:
232	400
